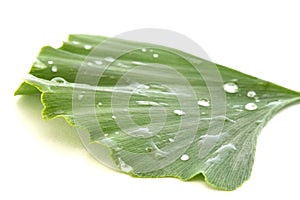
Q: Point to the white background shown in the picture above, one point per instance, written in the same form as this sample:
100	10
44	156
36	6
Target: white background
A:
45	159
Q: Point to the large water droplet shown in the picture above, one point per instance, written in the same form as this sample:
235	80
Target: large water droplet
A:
251	106
203	102
179	112
184	157
54	68
231	88
251	94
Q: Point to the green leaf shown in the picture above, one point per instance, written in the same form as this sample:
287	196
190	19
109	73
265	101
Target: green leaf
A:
160	111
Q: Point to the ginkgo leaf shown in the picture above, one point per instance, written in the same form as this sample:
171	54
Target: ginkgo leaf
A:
160	111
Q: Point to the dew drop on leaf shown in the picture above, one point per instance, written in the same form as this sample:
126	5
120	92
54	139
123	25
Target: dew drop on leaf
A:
109	59
251	94
179	112
184	157
155	55
87	47
59	80
54	68
250	106
231	88
203	102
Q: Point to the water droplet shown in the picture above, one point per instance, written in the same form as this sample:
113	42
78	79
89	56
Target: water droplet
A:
54	68
147	103
143	49
171	140
259	121
113	117
90	64
98	62
138	63
109	59
117	132
250	106
256	99
155	55
203	102
231	88
226	147
80	97
59	80
105	135
75	42
179	112
251	94
88	47
50	62
274	103
184	157
124	167
99	104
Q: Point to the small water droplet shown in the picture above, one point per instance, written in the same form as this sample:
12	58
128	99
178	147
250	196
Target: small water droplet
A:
179	112
231	87
117	132
88	47
80	97
171	140
259	121
99	104
203	102
256	99
124	167
90	64
184	157
54	68
155	55
143	49
138	63
98	62
274	103
50	62
109	59
251	94
147	103
105	135
113	117
59	80
75	42
250	106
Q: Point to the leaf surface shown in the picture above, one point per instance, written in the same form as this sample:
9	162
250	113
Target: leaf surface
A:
158	114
